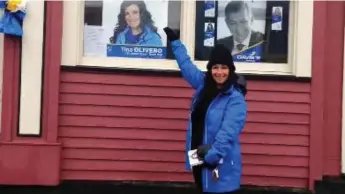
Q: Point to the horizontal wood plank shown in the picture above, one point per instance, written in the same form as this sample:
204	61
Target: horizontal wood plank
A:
174	92
147	122
104	110
162	145
175	135
149	166
161	81
175	156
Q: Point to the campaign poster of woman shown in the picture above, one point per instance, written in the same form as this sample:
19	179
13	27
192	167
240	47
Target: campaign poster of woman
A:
277	18
135	28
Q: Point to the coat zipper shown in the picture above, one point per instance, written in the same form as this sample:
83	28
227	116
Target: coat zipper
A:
205	136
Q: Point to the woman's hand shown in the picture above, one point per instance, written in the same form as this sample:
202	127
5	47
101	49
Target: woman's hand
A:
202	150
170	34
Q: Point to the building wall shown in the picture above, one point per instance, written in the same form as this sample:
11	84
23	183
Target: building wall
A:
132	127
308	114
300	112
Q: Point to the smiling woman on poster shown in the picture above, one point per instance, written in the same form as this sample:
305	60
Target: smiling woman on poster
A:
135	26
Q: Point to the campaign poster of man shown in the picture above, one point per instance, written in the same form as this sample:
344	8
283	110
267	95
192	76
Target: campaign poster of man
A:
135	28
241	27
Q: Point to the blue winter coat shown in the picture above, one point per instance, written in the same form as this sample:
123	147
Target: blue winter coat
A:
224	121
148	38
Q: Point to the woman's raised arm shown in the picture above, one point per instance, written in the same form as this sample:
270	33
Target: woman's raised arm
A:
191	73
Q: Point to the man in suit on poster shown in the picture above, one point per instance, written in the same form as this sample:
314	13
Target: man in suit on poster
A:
239	19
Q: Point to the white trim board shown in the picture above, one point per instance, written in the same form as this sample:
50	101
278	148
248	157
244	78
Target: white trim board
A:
31	69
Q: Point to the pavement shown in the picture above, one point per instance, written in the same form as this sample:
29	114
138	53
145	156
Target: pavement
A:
92	187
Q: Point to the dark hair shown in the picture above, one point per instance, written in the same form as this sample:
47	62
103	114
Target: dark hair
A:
236	6
145	18
277	9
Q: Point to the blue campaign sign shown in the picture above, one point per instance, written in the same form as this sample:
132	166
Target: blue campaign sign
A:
209	8
276	18
252	54
133	51
209	5
209	35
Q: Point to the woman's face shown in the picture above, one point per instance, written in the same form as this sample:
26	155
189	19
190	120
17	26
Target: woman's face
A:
277	11
132	16
220	73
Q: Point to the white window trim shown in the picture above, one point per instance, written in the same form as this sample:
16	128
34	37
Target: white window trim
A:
299	55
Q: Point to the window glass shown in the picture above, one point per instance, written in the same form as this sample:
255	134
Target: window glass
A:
255	31
130	29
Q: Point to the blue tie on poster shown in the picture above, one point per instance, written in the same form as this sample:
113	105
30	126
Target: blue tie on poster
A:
11	22
252	54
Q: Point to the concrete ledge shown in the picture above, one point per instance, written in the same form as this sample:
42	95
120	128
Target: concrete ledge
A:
331	185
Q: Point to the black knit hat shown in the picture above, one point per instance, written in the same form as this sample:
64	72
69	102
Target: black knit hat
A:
220	54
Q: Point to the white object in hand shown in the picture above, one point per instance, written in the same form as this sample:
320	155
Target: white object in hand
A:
215	174
193	158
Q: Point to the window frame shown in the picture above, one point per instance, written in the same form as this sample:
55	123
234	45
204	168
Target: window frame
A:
299	51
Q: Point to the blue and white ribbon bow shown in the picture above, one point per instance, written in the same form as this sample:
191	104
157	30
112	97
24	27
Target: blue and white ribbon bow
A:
11	22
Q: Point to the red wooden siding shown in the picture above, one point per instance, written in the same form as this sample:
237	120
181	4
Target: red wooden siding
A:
125	127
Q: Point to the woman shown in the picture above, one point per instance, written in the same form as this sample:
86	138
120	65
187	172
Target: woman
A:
135	26
277	11
218	114
277	15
